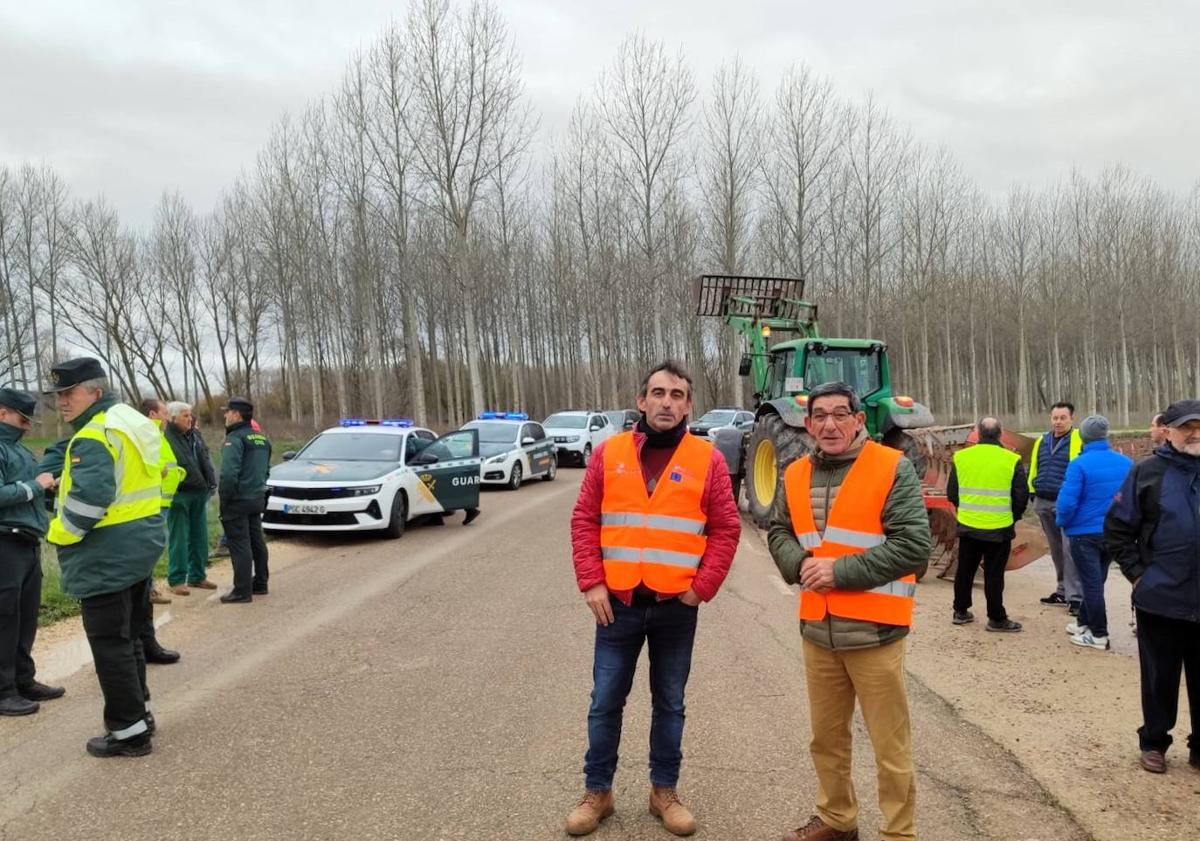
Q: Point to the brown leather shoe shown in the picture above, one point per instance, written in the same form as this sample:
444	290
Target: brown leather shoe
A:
1154	761
665	805
204	585
181	590
817	830
593	808
157	596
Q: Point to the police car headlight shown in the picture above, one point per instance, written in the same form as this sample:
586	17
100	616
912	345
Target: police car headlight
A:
369	490
497	459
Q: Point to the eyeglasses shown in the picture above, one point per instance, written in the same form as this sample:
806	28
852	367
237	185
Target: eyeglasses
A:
839	416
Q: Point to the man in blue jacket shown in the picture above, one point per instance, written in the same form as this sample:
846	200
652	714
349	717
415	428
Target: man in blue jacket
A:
1152	532
1092	481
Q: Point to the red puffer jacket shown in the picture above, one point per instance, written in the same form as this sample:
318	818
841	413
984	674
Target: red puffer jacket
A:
723	530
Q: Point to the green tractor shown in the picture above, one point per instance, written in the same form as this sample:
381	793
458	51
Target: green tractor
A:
782	374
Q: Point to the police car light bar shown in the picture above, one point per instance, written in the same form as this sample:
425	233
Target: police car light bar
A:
400	422
503	416
354	422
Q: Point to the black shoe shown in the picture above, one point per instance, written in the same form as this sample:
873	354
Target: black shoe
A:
17	705
231	598
1073	608
106	746
1005	626
1053	598
163	656
151	725
41	692
259	591
962	617
472	513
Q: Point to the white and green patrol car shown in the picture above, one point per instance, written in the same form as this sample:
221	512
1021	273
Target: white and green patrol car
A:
513	449
373	475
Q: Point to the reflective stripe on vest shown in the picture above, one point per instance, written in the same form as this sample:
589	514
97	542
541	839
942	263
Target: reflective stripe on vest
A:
653	539
854	525
139	487
173	475
985	475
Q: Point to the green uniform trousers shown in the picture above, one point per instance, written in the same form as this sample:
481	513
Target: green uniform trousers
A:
187	538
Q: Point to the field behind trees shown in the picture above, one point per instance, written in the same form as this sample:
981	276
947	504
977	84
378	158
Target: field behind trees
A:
417	242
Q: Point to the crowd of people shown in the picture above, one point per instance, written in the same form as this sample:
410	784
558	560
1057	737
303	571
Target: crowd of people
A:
125	484
654	532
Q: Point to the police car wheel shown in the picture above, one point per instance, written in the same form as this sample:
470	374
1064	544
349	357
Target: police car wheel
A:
398	518
515	478
551	471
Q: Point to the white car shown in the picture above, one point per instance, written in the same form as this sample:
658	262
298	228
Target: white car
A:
576	434
720	418
373	475
513	449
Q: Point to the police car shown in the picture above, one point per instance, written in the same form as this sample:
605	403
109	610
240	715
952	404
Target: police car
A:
513	449
576	434
373	475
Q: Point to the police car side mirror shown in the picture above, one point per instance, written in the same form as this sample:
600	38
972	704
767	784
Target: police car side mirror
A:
527	440
289	455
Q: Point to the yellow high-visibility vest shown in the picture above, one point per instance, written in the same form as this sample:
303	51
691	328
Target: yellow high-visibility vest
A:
985	475
139	482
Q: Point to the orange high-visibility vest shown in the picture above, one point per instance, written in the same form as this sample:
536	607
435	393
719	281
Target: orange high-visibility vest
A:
655	539
854	525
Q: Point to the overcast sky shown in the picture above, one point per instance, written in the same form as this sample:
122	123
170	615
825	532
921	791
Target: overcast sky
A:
128	98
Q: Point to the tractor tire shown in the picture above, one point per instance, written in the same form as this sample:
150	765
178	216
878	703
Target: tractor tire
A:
773	446
900	440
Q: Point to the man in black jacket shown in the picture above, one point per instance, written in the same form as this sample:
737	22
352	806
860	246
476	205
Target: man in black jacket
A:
996	494
1152	531
187	520
245	463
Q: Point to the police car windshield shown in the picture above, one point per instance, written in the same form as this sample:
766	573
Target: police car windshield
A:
717	417
562	421
350	446
495	433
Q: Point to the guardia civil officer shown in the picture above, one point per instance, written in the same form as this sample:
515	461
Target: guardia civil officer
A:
23	522
109	533
242	488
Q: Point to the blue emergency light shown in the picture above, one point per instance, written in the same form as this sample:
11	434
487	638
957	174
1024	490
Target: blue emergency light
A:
354	422
518	416
403	423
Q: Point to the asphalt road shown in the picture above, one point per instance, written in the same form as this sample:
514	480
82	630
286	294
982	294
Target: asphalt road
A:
436	687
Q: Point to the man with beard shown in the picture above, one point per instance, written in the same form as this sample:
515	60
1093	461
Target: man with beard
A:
1152	531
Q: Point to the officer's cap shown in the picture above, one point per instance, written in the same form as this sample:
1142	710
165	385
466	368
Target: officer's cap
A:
239	404
18	401
1180	412
71	373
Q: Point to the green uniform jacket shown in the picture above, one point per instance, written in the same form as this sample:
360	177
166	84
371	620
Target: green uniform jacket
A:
245	463
22	503
907	547
112	558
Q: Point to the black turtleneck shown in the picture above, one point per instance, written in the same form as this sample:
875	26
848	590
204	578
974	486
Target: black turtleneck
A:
667	440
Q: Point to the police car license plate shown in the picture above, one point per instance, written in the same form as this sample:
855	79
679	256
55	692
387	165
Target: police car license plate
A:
304	509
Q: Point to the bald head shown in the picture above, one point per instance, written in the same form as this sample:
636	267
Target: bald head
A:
989	430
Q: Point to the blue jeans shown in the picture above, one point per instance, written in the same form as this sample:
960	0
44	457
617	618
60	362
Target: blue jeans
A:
670	628
1091	562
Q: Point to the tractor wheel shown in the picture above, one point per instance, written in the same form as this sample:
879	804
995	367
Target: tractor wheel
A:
900	440
773	446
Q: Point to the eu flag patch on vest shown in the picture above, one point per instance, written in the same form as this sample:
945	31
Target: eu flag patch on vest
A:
676	476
